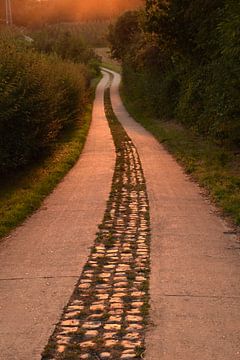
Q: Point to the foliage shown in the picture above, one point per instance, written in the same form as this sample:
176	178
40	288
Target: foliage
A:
24	191
123	33
93	32
39	96
67	42
182	60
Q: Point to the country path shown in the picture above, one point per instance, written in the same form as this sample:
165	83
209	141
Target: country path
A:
195	260
42	260
101	314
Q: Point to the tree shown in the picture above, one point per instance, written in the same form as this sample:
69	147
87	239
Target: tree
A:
187	27
122	34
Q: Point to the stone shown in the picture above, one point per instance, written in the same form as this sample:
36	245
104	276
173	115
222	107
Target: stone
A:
84	286
94	317
120	279
116	306
91	333
123	284
102	296
105	355
134	311
115	319
77	302
115	300
109	267
98	307
132	336
129	344
137	294
119	295
134	327
119	289
87	344
112	326
128	356
66	330
116	312
72	314
62	340
61	348
84	356
137	304
104	275
71	322
111	343
86	281
140	278
75	308
91	325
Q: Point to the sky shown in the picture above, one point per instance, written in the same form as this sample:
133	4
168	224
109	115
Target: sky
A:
34	11
92	8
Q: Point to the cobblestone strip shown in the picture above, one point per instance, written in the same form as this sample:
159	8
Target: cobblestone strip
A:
106	316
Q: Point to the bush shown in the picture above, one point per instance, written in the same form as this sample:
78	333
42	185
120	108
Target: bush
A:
67	42
39	96
182	60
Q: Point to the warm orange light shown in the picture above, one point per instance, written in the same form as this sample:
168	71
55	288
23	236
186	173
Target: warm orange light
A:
37	12
82	9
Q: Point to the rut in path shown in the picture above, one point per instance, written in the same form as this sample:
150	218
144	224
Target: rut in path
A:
106	316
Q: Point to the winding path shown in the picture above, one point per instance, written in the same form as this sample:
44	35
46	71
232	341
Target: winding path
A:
195	262
42	260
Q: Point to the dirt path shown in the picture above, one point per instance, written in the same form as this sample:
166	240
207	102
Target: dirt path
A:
42	260
195	260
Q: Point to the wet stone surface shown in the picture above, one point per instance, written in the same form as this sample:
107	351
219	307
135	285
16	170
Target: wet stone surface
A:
106	316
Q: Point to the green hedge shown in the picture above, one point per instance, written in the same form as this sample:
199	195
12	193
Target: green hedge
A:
181	60
39	96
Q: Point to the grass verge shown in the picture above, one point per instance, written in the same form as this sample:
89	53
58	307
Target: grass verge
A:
23	192
111	66
215	168
107	61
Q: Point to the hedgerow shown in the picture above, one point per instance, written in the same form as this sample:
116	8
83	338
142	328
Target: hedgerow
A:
181	60
39	96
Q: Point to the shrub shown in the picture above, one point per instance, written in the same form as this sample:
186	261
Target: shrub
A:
39	96
67	42
182	61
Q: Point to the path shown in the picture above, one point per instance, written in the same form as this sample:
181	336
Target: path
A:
41	261
195	261
105	317
194	287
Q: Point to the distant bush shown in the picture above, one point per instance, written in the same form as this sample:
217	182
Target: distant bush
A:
94	33
39	96
67	42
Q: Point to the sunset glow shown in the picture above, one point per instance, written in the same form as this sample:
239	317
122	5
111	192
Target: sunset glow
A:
33	12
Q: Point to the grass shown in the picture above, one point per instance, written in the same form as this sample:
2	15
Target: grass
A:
22	193
107	62
215	168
